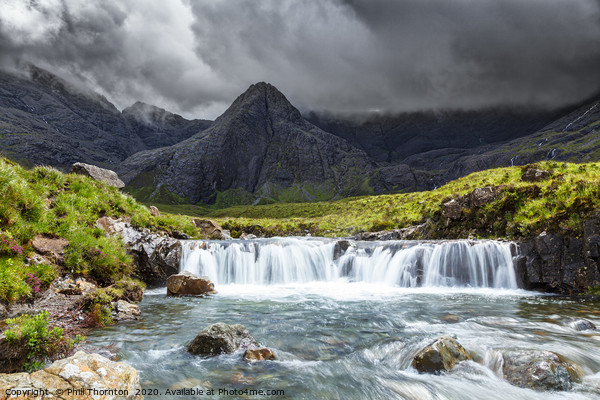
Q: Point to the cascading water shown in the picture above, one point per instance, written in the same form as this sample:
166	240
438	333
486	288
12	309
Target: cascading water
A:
459	263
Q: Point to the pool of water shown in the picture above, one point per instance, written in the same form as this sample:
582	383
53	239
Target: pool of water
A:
345	340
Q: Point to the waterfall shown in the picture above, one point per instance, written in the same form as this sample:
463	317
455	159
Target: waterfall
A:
460	263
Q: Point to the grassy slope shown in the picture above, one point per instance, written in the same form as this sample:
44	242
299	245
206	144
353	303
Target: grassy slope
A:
523	209
44	201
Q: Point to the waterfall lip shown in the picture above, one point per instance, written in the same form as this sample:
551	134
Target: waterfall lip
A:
404	263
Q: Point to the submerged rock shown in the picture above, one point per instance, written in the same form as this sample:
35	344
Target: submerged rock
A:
539	370
340	248
259	355
100	174
221	338
441	355
76	377
188	284
580	324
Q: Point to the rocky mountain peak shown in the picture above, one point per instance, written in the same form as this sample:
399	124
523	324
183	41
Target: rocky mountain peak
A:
263	100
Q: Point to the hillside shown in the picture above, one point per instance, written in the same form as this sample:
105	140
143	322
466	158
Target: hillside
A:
45	120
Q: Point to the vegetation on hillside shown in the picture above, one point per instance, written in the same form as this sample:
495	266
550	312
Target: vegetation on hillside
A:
521	209
43	201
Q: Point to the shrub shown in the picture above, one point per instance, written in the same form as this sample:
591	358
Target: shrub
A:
43	342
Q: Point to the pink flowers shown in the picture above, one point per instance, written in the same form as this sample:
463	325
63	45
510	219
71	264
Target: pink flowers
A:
34	283
8	246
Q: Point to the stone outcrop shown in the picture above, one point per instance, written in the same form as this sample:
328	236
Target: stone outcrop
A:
441	355
263	354
75	378
156	256
188	284
539	370
561	264
221	338
51	247
105	176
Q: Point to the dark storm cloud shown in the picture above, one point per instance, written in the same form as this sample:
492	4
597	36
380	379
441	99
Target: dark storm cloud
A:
354	55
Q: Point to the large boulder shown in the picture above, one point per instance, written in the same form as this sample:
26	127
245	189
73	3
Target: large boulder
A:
441	355
539	370
221	338
156	256
82	376
100	174
188	284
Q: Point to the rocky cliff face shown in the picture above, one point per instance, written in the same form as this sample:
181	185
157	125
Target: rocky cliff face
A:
261	148
45	120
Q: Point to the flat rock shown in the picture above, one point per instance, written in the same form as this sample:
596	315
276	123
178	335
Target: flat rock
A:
70	379
441	355
125	311
221	338
103	175
49	246
188	284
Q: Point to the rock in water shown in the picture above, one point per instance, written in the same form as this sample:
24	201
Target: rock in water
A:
581	324
188	284
100	174
441	355
72	377
125	311
221	338
259	355
539	370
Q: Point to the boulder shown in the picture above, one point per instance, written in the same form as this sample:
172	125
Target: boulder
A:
188	284
12	355
535	175
72	377
441	355
125	311
539	370
259	355
156	256
100	174
154	211
210	229
452	209
72	287
580	324
221	338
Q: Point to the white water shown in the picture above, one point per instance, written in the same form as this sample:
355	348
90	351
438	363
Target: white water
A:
408	264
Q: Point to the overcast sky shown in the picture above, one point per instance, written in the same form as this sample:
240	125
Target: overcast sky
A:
194	57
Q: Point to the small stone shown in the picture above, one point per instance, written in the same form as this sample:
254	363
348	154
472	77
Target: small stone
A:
259	355
154	211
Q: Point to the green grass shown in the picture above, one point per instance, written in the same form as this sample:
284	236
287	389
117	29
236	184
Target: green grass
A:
557	204
44	201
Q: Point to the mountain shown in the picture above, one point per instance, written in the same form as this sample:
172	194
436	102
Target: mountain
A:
46	120
391	138
259	150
